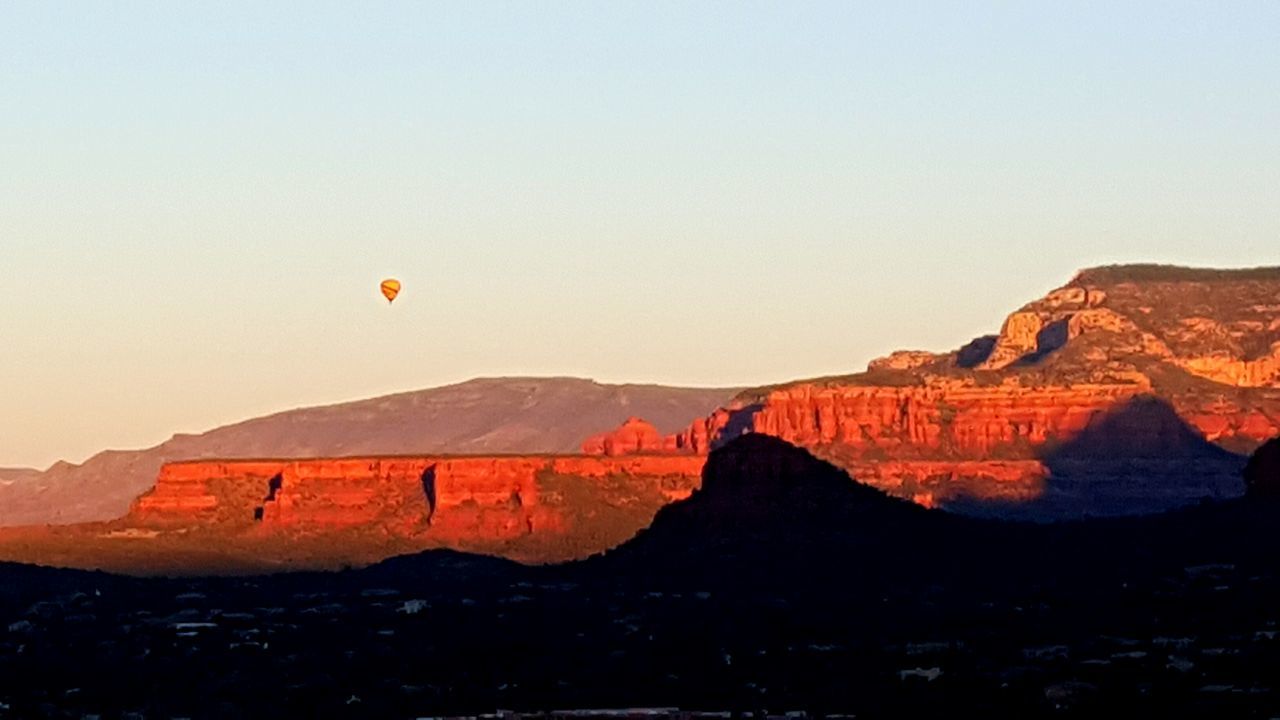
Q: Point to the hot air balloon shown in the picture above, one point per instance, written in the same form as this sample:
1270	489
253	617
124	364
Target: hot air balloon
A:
390	289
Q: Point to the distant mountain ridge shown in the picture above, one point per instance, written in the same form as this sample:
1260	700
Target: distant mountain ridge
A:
480	416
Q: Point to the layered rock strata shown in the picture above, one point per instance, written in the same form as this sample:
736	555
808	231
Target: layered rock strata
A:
446	498
1116	393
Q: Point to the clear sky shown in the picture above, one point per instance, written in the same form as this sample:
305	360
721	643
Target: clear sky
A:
197	201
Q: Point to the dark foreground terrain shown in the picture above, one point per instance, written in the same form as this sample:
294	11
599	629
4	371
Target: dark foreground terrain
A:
780	585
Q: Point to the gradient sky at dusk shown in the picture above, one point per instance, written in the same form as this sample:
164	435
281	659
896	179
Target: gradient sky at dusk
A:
197	201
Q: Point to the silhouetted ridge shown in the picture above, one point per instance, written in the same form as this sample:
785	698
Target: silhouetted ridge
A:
759	474
769	512
429	566
1262	474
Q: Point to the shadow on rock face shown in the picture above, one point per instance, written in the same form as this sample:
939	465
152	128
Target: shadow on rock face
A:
1139	457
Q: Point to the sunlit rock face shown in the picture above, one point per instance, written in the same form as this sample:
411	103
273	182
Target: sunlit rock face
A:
633	436
563	502
1114	394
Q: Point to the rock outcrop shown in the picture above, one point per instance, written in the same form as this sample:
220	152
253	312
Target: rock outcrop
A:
1148	352
1221	325
633	436
948	418
903	360
450	501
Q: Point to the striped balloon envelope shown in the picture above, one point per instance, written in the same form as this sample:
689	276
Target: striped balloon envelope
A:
390	289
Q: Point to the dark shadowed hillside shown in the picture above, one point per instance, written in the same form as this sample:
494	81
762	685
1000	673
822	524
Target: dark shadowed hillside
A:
780	585
482	416
769	512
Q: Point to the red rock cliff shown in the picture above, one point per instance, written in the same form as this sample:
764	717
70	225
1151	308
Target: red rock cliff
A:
455	501
633	436
1009	417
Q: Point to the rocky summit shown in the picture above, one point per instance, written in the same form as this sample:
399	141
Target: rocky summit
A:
1130	389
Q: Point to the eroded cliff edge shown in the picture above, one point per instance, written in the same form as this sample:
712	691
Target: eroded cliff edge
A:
1130	389
533	507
